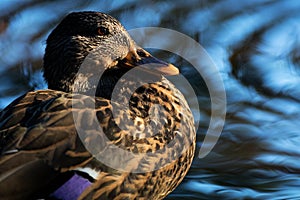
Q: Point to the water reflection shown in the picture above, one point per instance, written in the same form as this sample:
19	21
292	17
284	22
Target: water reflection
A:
255	44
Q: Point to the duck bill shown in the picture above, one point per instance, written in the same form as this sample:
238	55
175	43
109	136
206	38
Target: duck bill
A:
143	59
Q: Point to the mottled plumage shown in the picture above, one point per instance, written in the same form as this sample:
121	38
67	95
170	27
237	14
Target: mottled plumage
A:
41	148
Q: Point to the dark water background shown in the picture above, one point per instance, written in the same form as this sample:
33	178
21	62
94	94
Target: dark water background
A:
256	47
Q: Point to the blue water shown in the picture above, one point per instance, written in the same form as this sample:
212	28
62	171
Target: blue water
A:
254	44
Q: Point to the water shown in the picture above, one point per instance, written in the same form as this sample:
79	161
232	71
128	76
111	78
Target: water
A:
254	44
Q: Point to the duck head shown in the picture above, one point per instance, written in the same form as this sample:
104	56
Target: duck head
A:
103	44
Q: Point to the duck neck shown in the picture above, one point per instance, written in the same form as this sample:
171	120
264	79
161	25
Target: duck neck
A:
61	66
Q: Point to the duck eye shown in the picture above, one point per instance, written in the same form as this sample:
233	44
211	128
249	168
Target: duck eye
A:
103	31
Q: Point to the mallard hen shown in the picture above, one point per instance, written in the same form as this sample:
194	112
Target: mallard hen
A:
81	140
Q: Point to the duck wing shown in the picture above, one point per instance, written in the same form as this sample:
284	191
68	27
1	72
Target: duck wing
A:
38	141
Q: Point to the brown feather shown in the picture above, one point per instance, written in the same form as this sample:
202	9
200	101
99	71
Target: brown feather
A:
47	134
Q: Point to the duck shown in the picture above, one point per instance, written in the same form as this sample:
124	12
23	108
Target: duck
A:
84	139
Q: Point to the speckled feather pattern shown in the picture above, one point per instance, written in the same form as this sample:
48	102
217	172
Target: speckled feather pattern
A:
46	134
52	137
